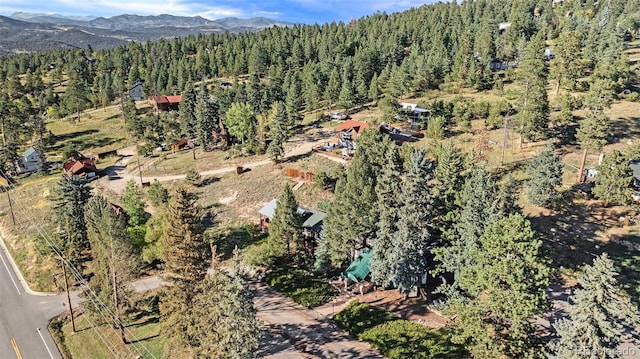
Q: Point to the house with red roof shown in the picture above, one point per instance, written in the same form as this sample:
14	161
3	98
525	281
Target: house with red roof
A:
165	103
83	167
352	128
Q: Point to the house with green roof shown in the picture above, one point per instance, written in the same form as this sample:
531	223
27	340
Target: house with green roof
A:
312	219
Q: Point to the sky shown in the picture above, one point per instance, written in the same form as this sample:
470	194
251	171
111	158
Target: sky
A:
298	11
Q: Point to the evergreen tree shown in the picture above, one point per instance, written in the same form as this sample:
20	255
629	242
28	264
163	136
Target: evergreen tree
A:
206	113
187	113
158	195
132	204
278	133
71	194
352	221
504	285
294	99
567	65
601	316
532	103
389	191
223	318
285	229
545	175
614	179
449	176
113	264
332	90
347	95
481	206
186	255
412	245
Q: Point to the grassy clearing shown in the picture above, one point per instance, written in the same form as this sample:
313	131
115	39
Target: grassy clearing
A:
301	286
32	211
99	341
396	338
98	130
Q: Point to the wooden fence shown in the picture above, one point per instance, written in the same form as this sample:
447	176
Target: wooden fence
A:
300	175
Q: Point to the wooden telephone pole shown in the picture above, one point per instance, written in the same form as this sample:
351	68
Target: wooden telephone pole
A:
13	217
66	288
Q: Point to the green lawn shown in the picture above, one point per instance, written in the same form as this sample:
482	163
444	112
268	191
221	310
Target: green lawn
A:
396	338
97	341
301	286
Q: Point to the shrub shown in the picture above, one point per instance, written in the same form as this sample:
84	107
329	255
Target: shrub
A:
193	177
357	317
396	338
301	286
435	128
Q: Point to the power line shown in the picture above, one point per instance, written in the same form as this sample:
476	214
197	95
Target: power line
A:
92	295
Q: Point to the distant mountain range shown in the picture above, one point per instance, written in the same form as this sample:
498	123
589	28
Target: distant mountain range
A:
28	32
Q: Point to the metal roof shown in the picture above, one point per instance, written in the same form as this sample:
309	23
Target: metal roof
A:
312	218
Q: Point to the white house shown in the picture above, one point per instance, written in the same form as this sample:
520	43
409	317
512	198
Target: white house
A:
415	114
28	162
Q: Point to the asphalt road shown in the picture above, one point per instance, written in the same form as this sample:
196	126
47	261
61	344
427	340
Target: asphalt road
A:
24	317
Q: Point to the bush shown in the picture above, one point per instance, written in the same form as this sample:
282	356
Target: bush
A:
357	317
158	195
634	97
301	286
193	177
396	338
400	339
435	128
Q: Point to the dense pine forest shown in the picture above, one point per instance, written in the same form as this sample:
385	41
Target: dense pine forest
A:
426	213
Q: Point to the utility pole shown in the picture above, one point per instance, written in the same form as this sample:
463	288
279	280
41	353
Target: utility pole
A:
13	217
66	288
139	170
504	140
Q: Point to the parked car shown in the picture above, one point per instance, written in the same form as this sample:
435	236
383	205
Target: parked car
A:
338	116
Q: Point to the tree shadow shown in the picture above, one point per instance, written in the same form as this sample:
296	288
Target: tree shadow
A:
296	158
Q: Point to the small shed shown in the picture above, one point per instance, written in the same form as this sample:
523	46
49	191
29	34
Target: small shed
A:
359	269
136	92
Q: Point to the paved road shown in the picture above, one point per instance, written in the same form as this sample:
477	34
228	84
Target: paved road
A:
24	317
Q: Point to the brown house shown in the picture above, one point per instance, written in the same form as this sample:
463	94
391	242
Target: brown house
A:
165	103
84	167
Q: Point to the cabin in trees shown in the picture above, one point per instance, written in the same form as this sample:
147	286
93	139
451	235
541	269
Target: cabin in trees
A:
311	225
415	114
28	162
136	92
165	103
80	166
182	144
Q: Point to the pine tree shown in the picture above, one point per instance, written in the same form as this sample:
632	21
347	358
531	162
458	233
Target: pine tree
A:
347	95
223	318
186	256
206	115
132	204
412	245
158	195
614	179
352	220
545	172
449	176
285	229
479	201
601	316
186	112
389	191
504	285
532	103
70	198
113	263
294	100
332	90
278	133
